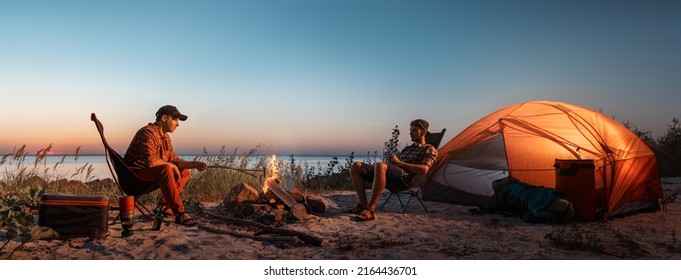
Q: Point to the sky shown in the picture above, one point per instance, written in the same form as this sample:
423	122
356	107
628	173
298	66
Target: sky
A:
309	77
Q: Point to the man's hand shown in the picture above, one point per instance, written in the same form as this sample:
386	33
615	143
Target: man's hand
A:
176	170
392	159
409	167
200	166
193	165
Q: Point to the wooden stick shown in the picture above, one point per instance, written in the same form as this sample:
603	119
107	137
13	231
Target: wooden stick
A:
236	221
292	239
225	231
242	170
306	238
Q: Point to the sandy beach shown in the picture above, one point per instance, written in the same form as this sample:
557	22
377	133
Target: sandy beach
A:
446	232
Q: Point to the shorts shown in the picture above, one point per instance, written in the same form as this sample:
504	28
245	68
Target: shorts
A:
392	174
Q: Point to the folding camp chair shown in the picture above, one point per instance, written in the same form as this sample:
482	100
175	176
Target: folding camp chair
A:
128	182
410	184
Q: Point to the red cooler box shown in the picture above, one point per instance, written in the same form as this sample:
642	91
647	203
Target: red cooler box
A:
576	178
75	215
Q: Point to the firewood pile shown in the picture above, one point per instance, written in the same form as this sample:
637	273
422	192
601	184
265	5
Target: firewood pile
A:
275	206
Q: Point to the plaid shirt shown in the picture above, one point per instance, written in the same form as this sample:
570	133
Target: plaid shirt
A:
149	145
416	154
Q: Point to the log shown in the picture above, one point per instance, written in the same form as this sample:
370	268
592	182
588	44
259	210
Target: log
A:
225	231
293	239
295	193
282	194
316	204
306	238
241	193
298	212
235	221
250	209
272	218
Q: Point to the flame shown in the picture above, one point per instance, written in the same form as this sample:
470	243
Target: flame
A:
272	173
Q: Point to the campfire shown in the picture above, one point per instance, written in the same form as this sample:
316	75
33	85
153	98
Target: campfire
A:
274	205
260	215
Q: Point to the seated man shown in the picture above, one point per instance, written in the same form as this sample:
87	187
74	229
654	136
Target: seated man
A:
151	156
415	159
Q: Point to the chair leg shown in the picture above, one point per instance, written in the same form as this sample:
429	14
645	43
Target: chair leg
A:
399	199
412	195
405	206
143	209
116	219
404	209
386	201
422	205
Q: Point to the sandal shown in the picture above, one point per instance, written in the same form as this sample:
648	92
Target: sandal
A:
164	208
355	210
167	211
186	221
362	217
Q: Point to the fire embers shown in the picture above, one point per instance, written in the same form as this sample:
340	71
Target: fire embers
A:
274	207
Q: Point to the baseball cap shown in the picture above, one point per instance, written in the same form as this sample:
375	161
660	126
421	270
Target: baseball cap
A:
172	111
423	124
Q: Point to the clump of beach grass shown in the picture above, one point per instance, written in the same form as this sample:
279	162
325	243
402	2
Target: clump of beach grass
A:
228	168
576	238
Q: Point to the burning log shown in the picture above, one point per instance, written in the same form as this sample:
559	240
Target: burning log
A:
295	193
283	195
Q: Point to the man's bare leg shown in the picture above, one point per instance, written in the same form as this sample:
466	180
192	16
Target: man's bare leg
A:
358	183
378	185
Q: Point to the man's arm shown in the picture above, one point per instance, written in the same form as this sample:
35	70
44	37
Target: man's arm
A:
182	165
420	168
409	167
159	161
201	166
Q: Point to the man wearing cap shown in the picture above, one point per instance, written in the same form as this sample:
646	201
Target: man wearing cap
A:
151	156
414	159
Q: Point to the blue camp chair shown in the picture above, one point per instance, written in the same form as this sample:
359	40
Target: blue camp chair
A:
410	184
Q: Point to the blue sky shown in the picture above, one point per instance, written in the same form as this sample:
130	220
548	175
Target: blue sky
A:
323	77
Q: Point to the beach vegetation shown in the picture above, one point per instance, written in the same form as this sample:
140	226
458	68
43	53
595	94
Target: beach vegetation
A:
228	167
669	150
573	237
392	146
667	147
21	187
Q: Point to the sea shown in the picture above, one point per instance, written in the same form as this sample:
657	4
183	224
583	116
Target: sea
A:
92	167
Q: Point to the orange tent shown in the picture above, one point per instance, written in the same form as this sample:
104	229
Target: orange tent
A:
524	141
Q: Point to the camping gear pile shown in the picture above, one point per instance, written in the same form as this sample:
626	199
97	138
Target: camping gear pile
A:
534	204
